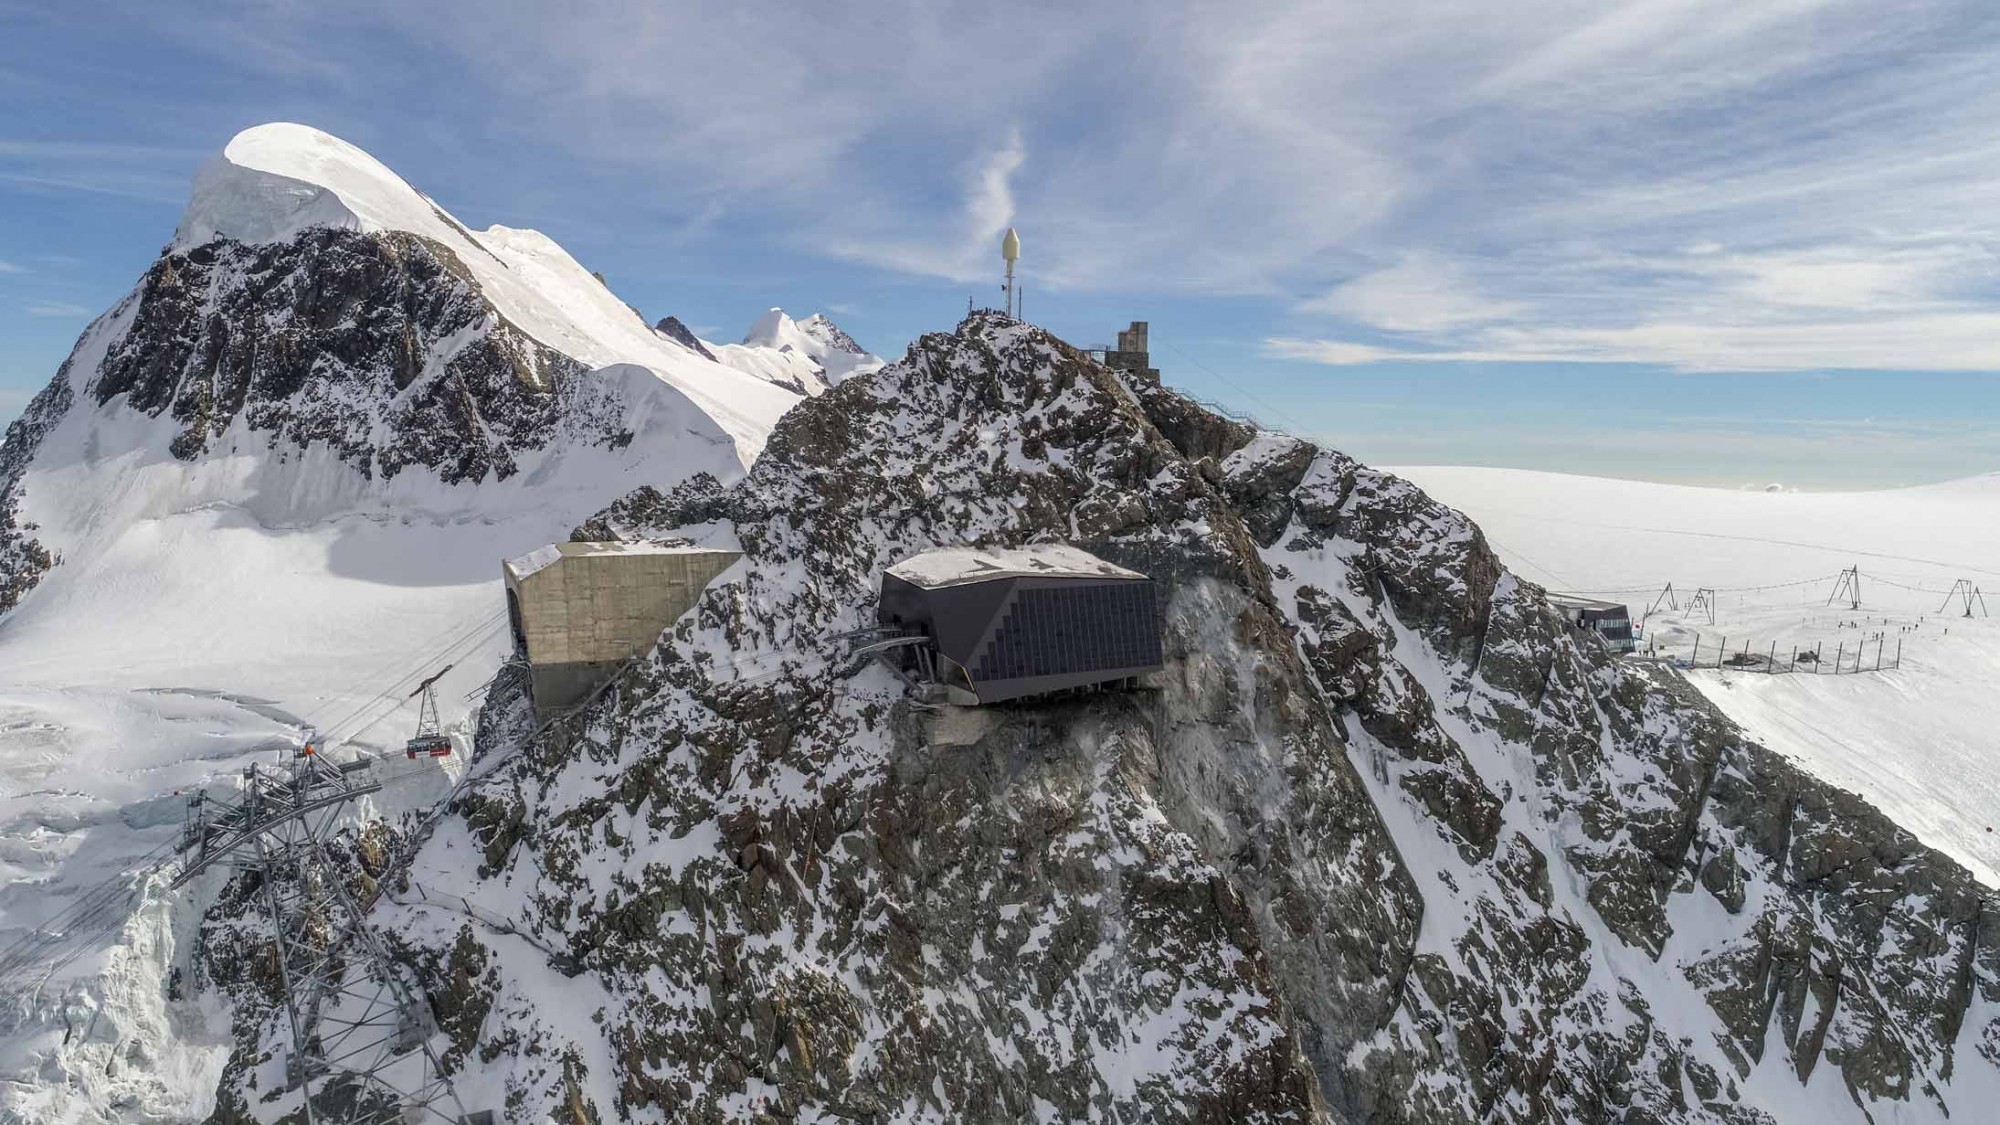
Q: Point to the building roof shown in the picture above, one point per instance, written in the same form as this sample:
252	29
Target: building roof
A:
1572	601
956	566
543	557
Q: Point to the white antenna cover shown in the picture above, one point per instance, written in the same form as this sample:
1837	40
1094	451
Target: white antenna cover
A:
1010	246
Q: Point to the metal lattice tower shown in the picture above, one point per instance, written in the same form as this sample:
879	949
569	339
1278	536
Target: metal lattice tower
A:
1703	603
361	1050
1848	589
1666	598
1966	593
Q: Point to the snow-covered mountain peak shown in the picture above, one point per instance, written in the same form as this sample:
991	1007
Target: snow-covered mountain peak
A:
807	353
775	329
273	181
822	328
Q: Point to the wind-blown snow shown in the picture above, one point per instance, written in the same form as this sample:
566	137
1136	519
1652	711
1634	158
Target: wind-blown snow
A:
1917	741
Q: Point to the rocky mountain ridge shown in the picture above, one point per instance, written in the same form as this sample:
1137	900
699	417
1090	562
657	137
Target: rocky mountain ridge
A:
315	311
1386	842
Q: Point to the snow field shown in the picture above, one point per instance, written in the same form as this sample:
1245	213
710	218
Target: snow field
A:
1921	742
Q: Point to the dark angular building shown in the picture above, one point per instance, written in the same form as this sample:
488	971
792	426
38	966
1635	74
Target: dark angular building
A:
1609	620
1003	624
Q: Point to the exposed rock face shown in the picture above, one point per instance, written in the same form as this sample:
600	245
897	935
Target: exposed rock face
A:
1385	842
375	344
672	328
23	558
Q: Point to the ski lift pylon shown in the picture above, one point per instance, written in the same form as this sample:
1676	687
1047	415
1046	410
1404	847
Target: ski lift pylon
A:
431	740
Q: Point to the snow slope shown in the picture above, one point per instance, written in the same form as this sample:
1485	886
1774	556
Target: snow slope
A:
208	609
1917	741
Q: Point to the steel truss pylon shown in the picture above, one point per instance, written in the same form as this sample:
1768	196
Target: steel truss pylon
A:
362	1048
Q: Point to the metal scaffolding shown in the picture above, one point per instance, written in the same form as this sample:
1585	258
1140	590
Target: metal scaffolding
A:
361	1049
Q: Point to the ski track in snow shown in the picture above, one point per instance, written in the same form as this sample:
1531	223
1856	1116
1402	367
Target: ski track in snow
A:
1919	742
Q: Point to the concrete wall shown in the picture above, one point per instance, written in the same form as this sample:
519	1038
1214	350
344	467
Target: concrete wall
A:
1131	355
599	604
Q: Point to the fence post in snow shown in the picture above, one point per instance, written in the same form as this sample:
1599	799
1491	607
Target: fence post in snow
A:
1721	651
1878	654
1771	661
1694	659
1839	655
1899	652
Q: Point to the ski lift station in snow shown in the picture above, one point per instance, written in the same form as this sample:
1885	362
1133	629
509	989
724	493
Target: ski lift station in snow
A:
988	626
580	610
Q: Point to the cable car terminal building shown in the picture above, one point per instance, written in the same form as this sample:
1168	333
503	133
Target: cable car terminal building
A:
1609	620
988	626
580	610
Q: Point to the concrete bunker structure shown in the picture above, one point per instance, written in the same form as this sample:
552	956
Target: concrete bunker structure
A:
579	610
990	625
1131	354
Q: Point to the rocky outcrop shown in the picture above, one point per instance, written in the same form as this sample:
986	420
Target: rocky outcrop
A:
23	558
672	328
1385	842
377	345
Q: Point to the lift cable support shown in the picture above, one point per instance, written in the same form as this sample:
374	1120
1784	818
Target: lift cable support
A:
362	1050
1666	598
876	643
1847	588
430	739
1965	593
1703	603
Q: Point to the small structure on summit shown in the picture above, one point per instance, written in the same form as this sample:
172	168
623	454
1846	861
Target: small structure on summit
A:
1131	354
580	610
989	625
1609	620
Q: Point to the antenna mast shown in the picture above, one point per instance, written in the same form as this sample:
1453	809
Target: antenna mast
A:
1010	252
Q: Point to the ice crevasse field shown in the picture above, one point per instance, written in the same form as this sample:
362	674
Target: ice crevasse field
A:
1921	741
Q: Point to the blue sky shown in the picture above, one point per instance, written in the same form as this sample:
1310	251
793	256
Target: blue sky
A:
1715	241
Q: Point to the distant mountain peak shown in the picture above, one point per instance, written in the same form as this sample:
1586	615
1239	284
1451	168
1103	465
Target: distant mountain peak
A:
822	328
798	353
672	328
774	329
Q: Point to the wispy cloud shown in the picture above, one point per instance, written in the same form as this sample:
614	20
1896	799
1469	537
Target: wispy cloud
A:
1422	293
1704	184
56	309
9	267
970	243
133	171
